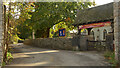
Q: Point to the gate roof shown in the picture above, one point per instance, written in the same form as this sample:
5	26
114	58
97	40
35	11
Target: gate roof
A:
95	14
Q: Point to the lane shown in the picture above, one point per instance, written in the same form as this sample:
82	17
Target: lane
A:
31	56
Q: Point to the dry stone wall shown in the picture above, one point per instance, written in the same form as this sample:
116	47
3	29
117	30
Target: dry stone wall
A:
52	43
75	43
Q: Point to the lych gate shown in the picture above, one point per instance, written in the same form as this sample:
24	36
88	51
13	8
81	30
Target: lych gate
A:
98	21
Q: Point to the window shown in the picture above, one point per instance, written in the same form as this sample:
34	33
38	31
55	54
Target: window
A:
98	30
92	34
104	34
98	36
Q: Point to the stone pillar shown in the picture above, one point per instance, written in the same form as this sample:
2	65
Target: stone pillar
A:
1	32
33	34
117	29
79	35
89	30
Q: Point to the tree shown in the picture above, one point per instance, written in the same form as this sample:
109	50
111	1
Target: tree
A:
18	14
48	14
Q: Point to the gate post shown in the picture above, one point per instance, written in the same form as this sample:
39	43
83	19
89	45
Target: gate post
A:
1	32
117	29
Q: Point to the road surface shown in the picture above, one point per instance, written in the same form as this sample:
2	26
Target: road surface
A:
32	56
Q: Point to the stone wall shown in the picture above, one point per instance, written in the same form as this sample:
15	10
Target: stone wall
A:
75	43
117	29
83	43
1	32
109	42
52	43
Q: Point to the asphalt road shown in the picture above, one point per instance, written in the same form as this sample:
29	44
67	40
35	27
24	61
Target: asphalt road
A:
32	56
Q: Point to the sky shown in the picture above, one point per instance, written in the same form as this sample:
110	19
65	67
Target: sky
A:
101	2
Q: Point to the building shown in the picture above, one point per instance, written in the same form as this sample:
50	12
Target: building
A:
97	20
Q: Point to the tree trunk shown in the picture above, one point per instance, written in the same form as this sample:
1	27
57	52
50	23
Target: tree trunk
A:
48	30
5	35
117	29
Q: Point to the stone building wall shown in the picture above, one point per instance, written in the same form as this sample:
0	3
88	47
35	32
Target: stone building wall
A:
100	32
